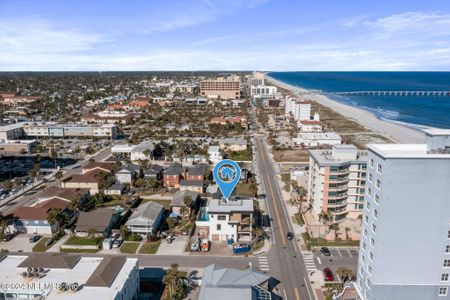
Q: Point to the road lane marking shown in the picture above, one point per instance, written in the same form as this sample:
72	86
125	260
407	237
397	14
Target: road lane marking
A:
349	253
275	203
307	289
297	295
284	292
319	261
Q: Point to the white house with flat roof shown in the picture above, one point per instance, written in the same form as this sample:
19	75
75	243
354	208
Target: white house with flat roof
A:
221	220
214	154
55	276
405	241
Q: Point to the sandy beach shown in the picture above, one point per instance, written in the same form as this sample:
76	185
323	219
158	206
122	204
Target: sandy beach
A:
396	132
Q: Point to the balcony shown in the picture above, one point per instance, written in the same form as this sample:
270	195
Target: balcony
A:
244	228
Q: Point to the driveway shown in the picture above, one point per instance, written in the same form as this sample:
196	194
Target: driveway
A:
18	243
177	246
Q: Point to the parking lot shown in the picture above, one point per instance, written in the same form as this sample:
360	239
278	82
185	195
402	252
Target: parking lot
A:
339	257
19	243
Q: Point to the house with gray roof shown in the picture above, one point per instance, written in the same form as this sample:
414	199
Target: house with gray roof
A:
153	172
233	144
146	219
127	174
221	283
178	200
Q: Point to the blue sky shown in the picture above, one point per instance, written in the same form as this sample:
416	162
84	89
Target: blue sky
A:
224	35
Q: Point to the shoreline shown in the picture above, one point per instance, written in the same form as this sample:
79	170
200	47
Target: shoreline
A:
397	131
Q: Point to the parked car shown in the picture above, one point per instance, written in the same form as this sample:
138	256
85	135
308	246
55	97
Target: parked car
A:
117	243
205	245
196	245
290	235
8	237
325	251
34	238
328	274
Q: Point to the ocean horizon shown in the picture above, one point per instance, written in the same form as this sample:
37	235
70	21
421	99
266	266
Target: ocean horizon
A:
412	110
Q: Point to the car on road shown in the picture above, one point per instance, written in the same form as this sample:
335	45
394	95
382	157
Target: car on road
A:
328	274
290	235
34	238
325	251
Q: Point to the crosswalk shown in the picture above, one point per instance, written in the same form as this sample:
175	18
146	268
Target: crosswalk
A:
263	263
308	258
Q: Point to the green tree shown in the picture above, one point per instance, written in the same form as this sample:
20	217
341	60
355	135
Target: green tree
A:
335	228
174	282
57	218
4	222
59	175
187	200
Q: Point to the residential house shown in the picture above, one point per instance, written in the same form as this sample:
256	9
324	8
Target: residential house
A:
215	154
33	219
142	151
221	219
127	174
115	189
196	172
233	144
191	185
99	221
154	172
178	200
146	219
88	180
64	194
173	175
221	283
94	166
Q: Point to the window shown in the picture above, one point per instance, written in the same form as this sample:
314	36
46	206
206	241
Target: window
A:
372	242
365	232
371	162
446	263
368	205
447	249
369	191
448	234
370	177
442	291
377	199
378	184
374	228
375	214
379	168
366	218
219	227
368	283
221	217
444	277
369	269
371	255
364	246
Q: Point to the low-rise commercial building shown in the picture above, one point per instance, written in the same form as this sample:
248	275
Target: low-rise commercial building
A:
315	139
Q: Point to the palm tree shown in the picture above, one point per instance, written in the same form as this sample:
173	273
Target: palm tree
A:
187	200
184	211
57	218
59	176
4	222
335	228
347	230
172	281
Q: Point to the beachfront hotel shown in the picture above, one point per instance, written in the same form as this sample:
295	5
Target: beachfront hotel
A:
337	181
405	241
222	88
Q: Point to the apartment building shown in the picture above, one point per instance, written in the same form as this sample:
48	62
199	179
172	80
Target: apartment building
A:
298	109
405	240
263	91
337	181
221	88
257	78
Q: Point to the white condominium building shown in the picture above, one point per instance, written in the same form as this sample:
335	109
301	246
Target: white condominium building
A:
300	110
337	181
405	240
263	91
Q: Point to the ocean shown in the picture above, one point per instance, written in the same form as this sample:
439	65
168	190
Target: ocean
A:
428	111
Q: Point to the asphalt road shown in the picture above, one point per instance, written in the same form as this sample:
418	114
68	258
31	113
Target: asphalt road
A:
285	259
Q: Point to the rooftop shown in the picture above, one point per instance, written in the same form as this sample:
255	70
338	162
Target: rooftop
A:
235	204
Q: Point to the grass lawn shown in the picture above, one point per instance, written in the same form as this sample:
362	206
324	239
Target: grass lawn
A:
239	155
299	219
291	155
129	247
150	248
244	189
75	240
40	246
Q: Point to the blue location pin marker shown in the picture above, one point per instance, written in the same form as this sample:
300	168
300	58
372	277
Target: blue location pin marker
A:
227	174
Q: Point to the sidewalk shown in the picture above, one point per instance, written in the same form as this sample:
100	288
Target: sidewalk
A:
58	244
